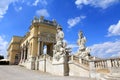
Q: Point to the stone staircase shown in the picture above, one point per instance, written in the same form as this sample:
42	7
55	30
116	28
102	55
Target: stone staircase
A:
78	67
104	69
113	75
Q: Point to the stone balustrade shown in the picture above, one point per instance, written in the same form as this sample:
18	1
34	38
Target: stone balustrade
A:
80	60
106	63
100	64
42	20
45	56
42	56
104	66
74	58
48	57
84	61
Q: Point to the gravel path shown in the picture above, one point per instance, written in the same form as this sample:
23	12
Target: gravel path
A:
20	73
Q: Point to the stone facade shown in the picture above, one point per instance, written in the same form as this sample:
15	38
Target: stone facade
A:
14	50
41	33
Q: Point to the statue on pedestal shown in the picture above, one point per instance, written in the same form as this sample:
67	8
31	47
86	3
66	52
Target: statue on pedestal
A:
83	51
60	49
81	41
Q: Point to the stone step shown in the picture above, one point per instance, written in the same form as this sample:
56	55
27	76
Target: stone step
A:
111	77
80	65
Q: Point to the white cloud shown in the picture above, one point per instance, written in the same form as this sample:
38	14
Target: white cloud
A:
114	30
18	8
73	46
36	3
42	12
4	4
42	2
3	46
116	55
74	21
106	49
96	3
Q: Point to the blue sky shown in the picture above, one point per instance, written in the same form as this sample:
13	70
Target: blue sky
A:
98	19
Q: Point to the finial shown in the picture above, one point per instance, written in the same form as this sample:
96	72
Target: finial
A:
59	27
41	17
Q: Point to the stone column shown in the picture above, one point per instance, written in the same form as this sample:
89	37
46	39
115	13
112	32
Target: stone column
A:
72	57
92	69
24	54
21	55
51	50
80	60
39	47
28	55
109	66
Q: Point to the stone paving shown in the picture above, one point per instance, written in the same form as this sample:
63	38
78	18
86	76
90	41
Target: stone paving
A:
11	72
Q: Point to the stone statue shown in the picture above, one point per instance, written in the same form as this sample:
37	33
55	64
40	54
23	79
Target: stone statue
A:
81	41
60	49
59	36
83	51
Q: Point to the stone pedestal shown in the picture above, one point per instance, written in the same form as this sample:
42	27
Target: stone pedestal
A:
60	67
37	64
61	60
30	64
92	69
42	65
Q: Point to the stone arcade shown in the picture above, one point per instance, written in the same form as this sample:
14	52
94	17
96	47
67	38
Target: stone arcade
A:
43	48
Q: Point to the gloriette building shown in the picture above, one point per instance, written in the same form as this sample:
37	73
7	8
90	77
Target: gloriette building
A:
41	33
42	48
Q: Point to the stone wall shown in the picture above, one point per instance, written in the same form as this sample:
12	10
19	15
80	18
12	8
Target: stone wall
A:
55	69
78	70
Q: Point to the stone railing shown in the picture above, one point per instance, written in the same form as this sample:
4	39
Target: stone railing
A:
79	60
74	58
42	56
49	57
104	66
84	61
106	63
100	64
44	21
45	56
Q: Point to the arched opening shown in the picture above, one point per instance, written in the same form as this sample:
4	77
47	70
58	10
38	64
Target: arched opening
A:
45	49
48	49
26	53
17	58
